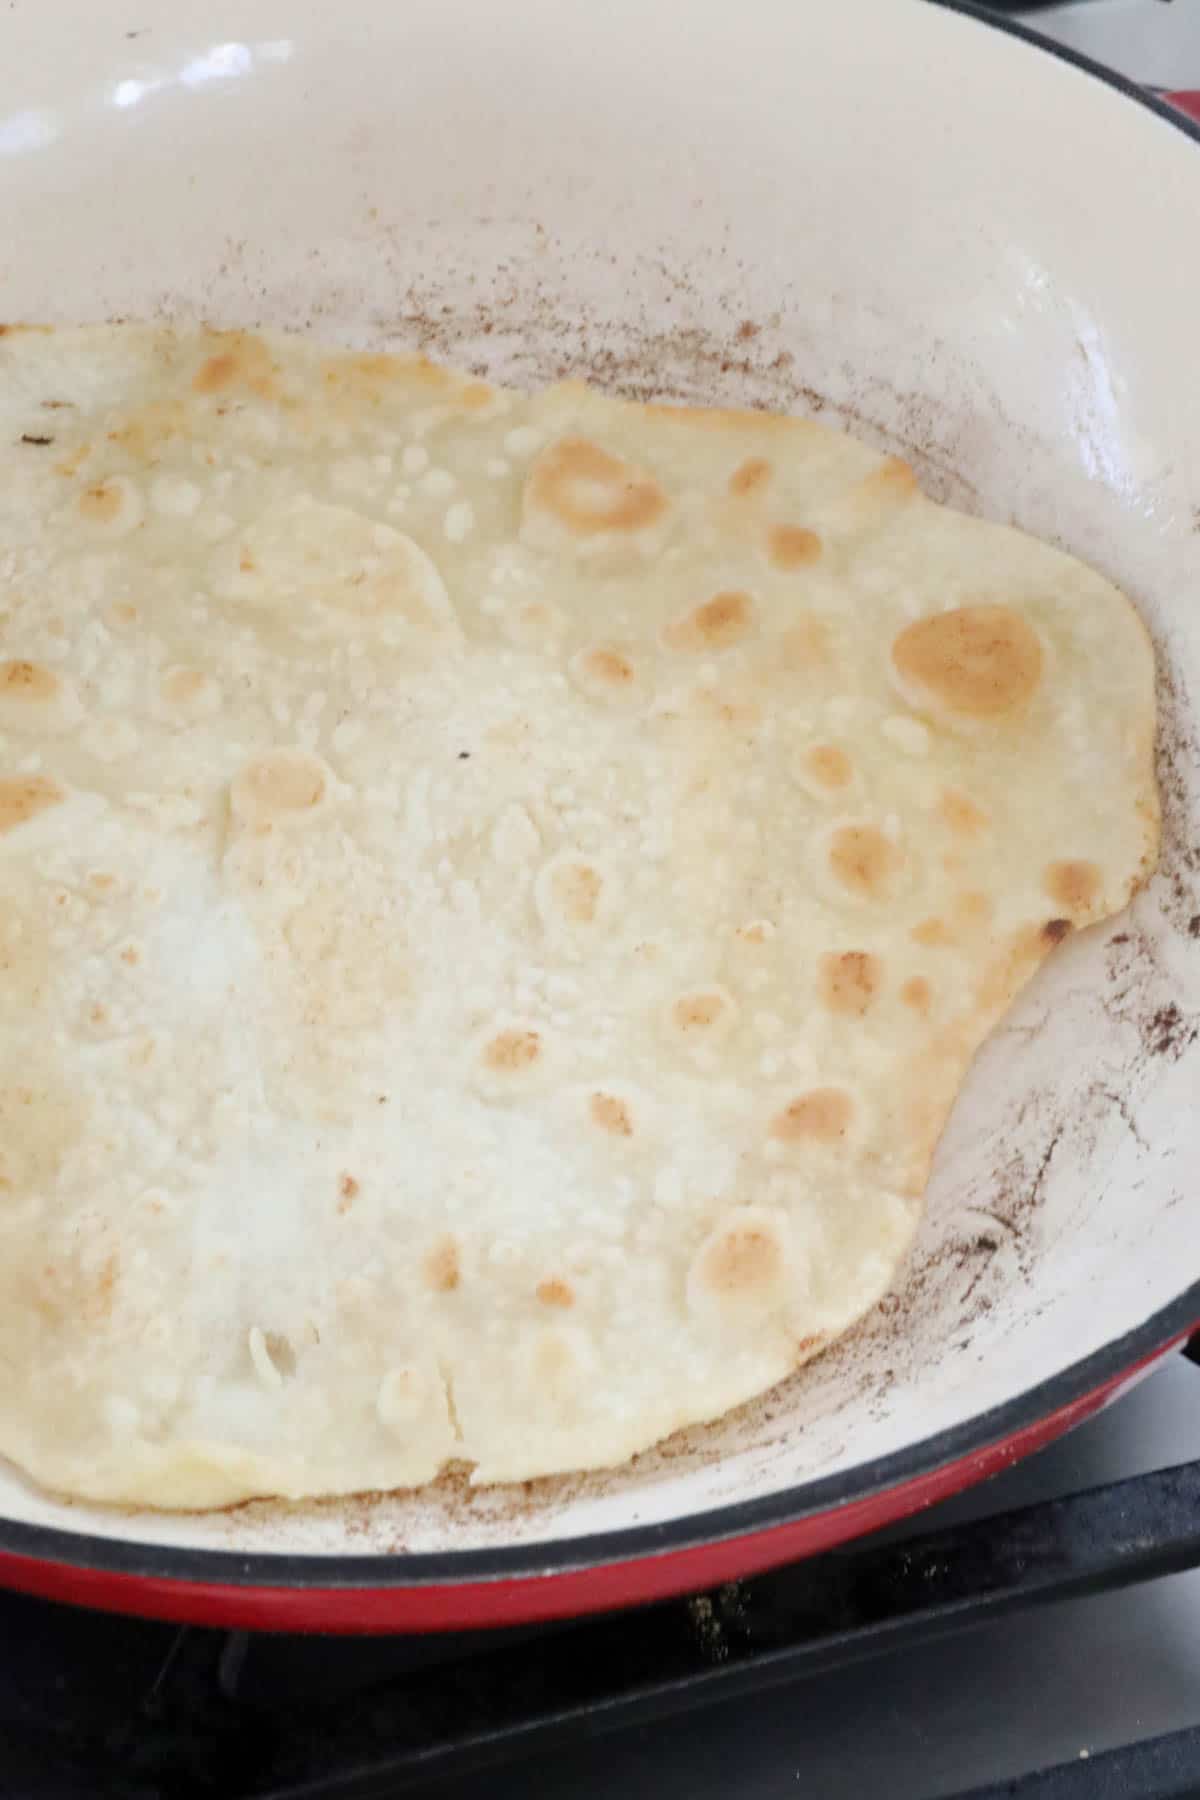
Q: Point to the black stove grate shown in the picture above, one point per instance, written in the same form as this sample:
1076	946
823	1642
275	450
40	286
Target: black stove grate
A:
140	1711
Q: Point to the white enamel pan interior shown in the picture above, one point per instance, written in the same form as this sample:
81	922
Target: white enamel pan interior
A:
964	247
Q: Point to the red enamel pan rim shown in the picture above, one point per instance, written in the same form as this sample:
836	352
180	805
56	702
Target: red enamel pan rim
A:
568	1593
613	1568
560	1579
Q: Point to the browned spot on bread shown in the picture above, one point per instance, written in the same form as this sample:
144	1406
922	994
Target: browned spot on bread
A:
554	1366
244	360
701	1011
418	368
973	908
607	667
143	434
980	662
917	993
122	613
22	797
791	546
863	860
960	813
894	478
374	367
513	1051
368	373
933	934
218	373
101	503
476	395
828	766
742	1260
755	933
577	887
1055	930
749	477
348	1188
715	624
20	680
848	981
443	1270
182	684
821	1116
1075	886
188	688
280	783
555	1292
611	1115
804	646
537	622
131	955
588	491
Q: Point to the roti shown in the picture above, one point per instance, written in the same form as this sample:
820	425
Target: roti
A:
497	896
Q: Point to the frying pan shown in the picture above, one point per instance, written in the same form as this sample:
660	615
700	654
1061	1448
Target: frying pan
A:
933	230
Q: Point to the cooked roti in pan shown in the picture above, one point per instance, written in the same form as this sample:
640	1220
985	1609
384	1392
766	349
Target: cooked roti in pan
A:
497	896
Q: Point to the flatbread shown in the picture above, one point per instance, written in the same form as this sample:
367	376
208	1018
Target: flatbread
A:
497	896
